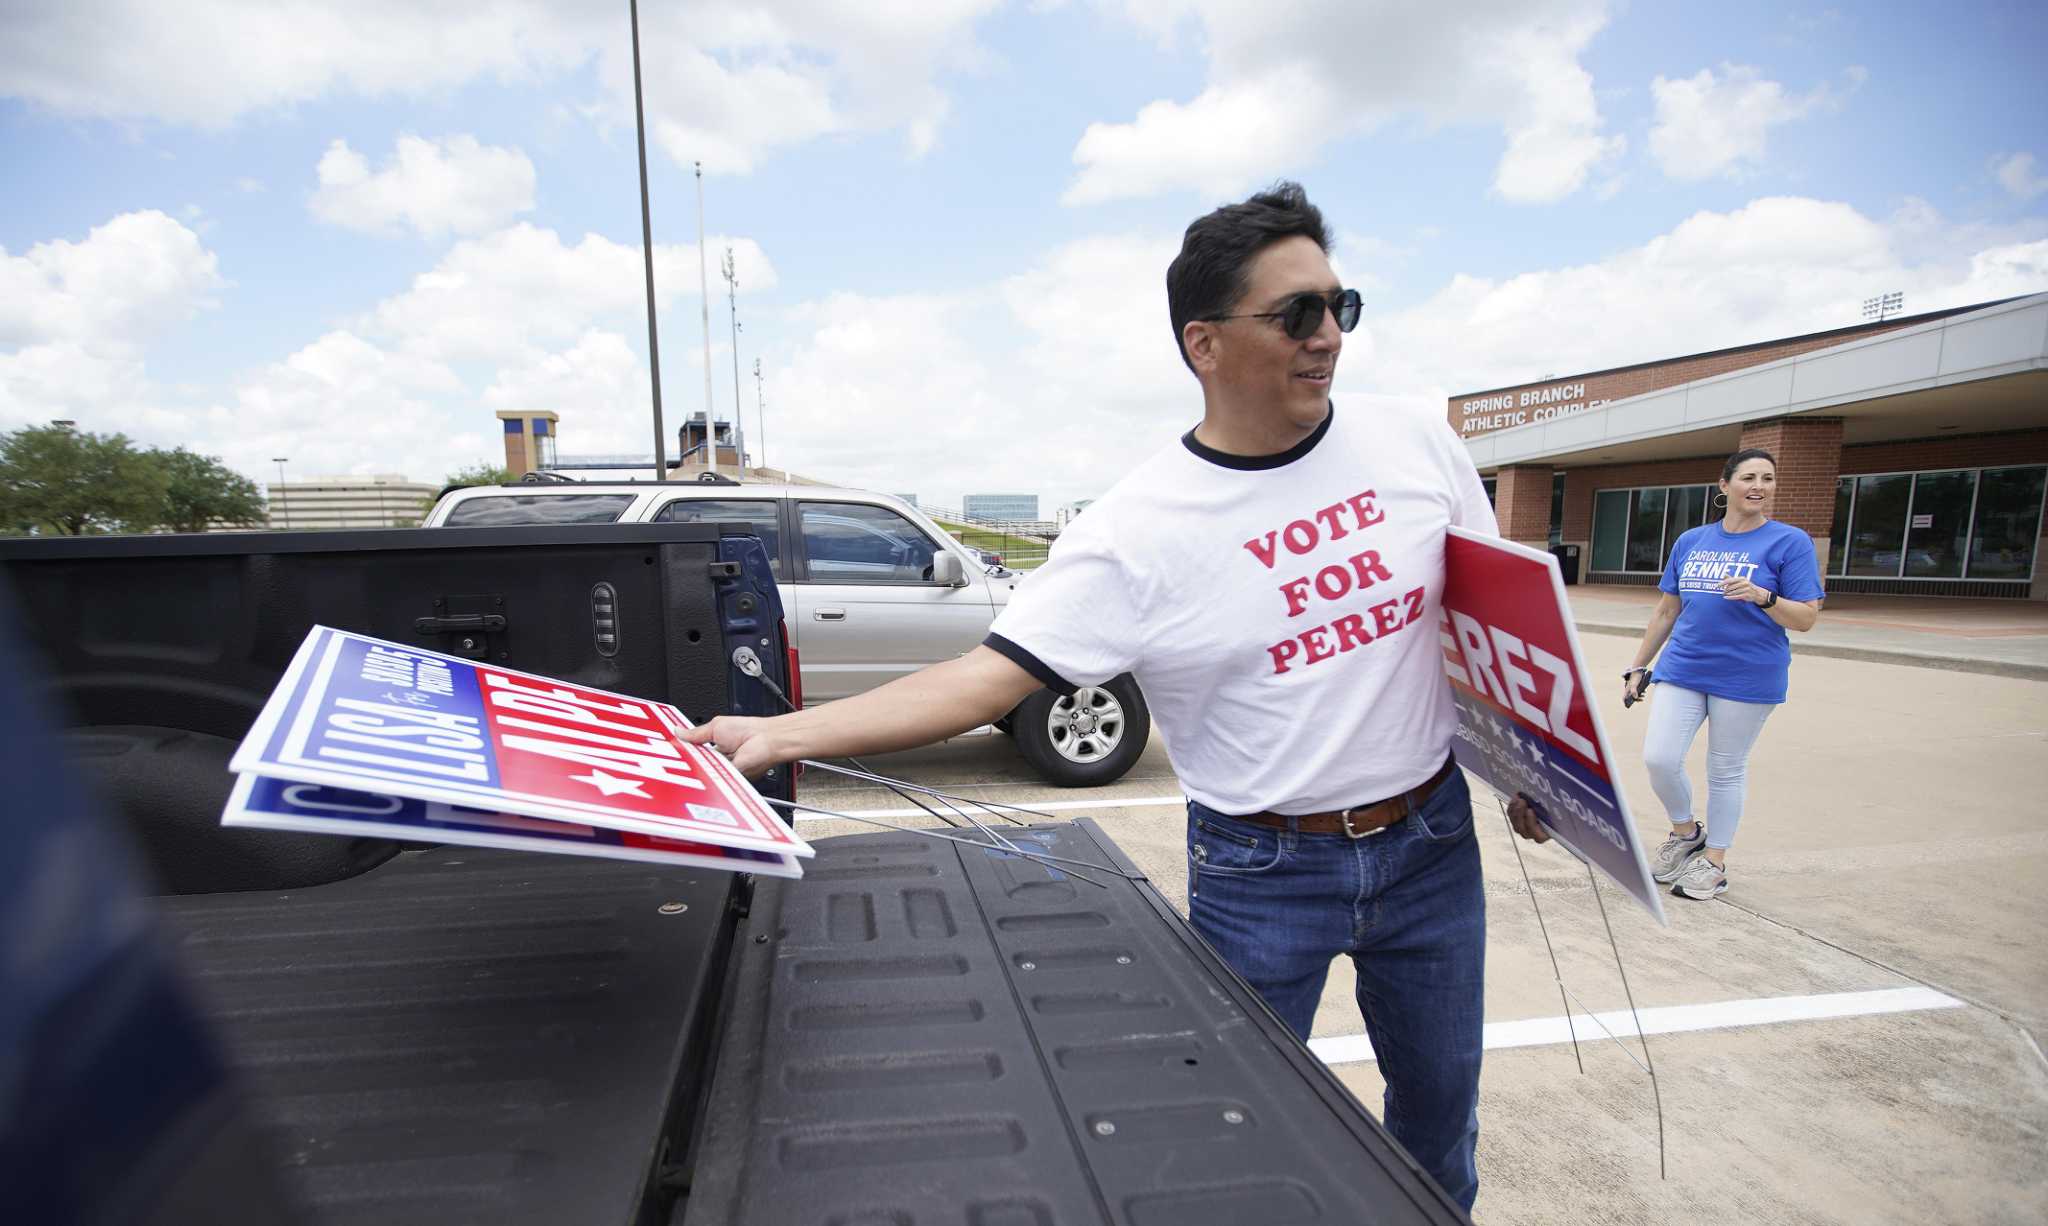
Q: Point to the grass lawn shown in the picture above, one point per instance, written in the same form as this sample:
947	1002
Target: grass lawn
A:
1019	552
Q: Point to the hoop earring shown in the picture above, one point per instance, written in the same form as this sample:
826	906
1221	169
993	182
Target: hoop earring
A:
1720	501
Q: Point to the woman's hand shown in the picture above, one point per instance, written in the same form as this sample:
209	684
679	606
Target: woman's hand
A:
1634	684
1733	588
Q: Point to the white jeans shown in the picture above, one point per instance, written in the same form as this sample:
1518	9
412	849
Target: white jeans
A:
1676	714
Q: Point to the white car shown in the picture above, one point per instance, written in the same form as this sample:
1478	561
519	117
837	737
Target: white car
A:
871	590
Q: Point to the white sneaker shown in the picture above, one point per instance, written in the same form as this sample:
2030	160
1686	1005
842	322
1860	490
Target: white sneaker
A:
1700	879
1669	860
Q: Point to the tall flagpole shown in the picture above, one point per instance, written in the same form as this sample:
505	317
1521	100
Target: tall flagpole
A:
704	297
647	253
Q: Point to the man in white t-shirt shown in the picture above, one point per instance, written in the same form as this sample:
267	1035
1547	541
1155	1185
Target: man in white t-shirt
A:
1272	580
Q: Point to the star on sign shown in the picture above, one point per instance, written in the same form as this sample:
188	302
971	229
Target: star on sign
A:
1516	738
611	785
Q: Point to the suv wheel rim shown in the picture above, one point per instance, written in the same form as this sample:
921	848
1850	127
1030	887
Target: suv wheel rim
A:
1087	727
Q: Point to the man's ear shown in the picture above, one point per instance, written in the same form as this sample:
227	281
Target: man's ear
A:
1203	342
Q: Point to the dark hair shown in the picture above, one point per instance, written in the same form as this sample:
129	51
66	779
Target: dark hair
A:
1747	453
1216	253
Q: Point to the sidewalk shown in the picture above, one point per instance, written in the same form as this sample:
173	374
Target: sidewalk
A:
2008	638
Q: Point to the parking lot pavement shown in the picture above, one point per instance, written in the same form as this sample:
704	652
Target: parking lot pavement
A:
1893	856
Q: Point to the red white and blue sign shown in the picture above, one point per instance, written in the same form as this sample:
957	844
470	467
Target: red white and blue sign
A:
360	713
280	804
1526	723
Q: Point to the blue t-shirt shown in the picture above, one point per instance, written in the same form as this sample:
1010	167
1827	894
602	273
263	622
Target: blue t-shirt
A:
1732	648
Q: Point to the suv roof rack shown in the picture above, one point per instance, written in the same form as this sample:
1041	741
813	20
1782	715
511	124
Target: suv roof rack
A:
542	477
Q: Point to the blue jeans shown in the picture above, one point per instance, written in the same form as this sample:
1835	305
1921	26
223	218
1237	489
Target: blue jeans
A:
1408	906
1676	714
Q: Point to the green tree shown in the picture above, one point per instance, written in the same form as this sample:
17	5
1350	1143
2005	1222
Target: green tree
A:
54	479
480	473
201	491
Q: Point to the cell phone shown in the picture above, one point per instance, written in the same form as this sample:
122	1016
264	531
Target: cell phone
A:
1634	692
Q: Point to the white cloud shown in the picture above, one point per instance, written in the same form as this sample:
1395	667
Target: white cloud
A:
1710	125
515	318
495	296
1779	266
1286	80
75	317
127	281
2015	173
727	83
430	187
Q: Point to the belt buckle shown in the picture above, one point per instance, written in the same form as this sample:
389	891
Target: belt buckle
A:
1344	816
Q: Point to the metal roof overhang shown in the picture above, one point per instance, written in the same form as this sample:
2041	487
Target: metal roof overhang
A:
1987	370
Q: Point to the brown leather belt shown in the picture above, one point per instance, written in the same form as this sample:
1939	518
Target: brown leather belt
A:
1359	821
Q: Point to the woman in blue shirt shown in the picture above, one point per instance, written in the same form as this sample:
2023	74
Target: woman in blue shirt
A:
1731	591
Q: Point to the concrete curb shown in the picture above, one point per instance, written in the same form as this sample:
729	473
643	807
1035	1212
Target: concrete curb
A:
1876	655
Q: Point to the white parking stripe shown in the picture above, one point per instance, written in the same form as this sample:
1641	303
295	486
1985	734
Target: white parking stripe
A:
1673	1019
1043	806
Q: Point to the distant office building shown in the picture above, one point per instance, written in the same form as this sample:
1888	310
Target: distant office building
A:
909	498
529	439
1066	514
1001	506
323	504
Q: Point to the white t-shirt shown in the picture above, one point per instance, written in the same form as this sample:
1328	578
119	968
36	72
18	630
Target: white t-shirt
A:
1280	612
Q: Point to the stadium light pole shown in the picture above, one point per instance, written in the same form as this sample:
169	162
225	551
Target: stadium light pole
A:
1884	304
732	300
647	252
280	461
761	411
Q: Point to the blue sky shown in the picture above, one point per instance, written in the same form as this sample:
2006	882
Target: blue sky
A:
235	226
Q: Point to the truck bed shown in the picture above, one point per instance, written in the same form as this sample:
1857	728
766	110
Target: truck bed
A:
914	1034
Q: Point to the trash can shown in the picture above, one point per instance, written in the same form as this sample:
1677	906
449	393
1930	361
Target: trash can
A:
1567	561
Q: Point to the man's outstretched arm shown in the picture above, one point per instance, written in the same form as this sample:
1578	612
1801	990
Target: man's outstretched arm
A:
931	704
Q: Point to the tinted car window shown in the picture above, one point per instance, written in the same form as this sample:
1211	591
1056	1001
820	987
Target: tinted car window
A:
847	542
757	513
513	509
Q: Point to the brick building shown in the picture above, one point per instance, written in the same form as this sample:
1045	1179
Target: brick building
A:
1914	451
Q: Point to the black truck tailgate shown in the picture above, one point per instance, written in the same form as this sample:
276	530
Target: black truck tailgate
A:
919	1033
468	1036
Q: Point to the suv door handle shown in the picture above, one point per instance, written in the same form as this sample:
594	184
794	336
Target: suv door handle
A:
828	615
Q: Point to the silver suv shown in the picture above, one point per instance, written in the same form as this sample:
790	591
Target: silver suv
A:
871	590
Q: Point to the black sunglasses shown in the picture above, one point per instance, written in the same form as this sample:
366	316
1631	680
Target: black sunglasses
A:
1302	317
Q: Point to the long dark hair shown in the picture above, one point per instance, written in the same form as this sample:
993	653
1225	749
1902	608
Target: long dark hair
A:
1747	453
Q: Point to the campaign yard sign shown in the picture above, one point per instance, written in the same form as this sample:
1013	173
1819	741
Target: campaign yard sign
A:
280	804
360	713
1525	721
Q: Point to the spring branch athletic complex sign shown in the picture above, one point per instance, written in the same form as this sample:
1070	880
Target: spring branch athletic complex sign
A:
1526	723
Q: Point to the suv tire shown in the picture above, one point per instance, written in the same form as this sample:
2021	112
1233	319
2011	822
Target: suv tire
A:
1088	740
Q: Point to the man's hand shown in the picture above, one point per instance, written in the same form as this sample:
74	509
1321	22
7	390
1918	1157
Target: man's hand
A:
1734	588
1522	816
751	743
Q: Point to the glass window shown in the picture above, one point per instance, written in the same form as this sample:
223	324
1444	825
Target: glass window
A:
2008	523
519	509
1610	529
1880	524
847	542
757	513
1556	510
1940	524
1492	487
1838	535
1646	529
1688	511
